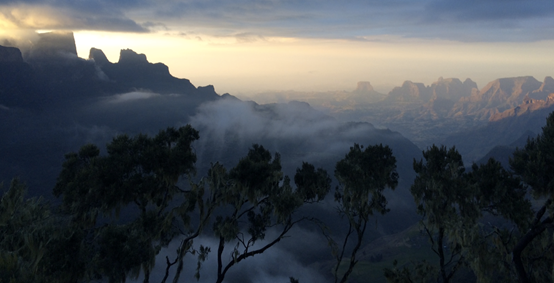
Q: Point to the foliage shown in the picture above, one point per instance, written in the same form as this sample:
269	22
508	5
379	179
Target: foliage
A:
363	175
532	253
35	244
119	209
142	172
256	193
443	199
138	179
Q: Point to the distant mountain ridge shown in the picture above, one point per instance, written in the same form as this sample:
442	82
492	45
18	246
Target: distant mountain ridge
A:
51	72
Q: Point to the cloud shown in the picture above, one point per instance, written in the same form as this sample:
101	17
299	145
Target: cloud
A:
276	264
118	98
248	37
489	20
25	16
501	11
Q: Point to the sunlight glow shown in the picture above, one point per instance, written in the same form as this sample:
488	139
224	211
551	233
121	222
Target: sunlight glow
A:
236	65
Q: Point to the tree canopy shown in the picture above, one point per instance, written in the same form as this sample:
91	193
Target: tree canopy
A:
122	205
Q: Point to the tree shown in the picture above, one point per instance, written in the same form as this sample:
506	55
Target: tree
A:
534	164
442	198
363	175
256	193
500	198
454	204
21	247
35	243
139	175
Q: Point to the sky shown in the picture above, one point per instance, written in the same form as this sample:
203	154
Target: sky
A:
250	46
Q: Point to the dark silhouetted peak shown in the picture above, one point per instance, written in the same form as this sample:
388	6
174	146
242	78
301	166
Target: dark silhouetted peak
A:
53	45
130	56
10	54
208	90
364	87
98	57
17	80
228	96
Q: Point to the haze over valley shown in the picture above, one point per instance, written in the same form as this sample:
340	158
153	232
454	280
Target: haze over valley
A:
53	102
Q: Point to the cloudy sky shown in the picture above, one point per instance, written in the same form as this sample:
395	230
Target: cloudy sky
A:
245	46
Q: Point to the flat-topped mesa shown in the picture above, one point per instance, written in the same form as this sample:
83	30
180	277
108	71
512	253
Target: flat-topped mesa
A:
130	56
364	87
510	91
10	54
53	45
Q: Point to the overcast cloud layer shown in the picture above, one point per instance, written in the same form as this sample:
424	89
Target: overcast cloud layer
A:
472	20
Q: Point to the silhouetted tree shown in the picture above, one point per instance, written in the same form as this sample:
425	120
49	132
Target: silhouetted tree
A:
140	174
453	204
535	165
363	175
257	194
443	198
35	244
500	196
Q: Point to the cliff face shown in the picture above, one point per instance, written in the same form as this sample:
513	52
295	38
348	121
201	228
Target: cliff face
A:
452	89
53	46
409	92
496	97
17	79
527	106
10	54
51	72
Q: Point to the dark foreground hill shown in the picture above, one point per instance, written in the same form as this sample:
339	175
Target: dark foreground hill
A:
58	102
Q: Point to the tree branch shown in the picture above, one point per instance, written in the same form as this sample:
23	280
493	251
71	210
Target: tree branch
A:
339	258
535	230
221	274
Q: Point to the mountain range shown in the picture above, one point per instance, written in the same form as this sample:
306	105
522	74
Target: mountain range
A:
57	102
53	102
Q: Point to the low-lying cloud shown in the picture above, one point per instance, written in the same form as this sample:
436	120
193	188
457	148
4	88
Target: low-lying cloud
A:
134	95
276	264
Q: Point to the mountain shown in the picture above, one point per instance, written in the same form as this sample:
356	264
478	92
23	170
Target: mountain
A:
408	93
17	79
503	153
51	73
133	71
364	94
448	107
77	101
476	142
52	46
528	105
497	96
444	94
